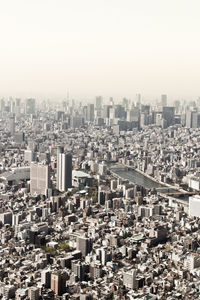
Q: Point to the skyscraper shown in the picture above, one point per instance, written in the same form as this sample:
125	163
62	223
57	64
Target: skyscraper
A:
90	112
30	106
164	100
98	102
168	115
129	278
12	124
64	170
33	293
84	244
58	282
40	178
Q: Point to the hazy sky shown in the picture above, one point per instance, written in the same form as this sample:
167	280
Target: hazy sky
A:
107	47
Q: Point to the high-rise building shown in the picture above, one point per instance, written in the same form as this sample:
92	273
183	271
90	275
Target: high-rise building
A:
19	137
129	279
106	111
168	115
164	100
194	206
29	156
40	178
64	170
30	106
12	124
90	112
98	102
58	282
79	270
84	244
46	278
192	119
33	293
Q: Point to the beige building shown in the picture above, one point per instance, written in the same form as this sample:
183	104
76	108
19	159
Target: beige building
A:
40	178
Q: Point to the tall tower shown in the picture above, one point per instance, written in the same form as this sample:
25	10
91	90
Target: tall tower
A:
12	124
90	112
164	100
40	178
64	170
60	150
58	282
84	244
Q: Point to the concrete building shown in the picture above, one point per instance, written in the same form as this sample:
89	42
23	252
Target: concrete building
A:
129	279
194	206
40	178
58	282
84	244
64	170
33	293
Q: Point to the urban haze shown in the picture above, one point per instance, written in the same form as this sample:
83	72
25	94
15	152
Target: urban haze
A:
99	150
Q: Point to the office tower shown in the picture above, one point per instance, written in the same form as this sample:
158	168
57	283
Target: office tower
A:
84	244
60	150
145	109
129	279
188	121
125	102
2	105
98	102
144	120
30	106
19	137
138	100
76	121
6	218
40	178
33	293
192	119
95	270
133	115
168	115
64	170
90	112
194	206
17	106
79	270
12	124
111	101
106	111
29	156
46	278
164	100
8	291
12	106
58	282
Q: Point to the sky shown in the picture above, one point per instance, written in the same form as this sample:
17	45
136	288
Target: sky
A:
100	47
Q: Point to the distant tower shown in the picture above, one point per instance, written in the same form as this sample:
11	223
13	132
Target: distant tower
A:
98	102
138	100
30	106
12	124
64	170
90	112
60	150
164	100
